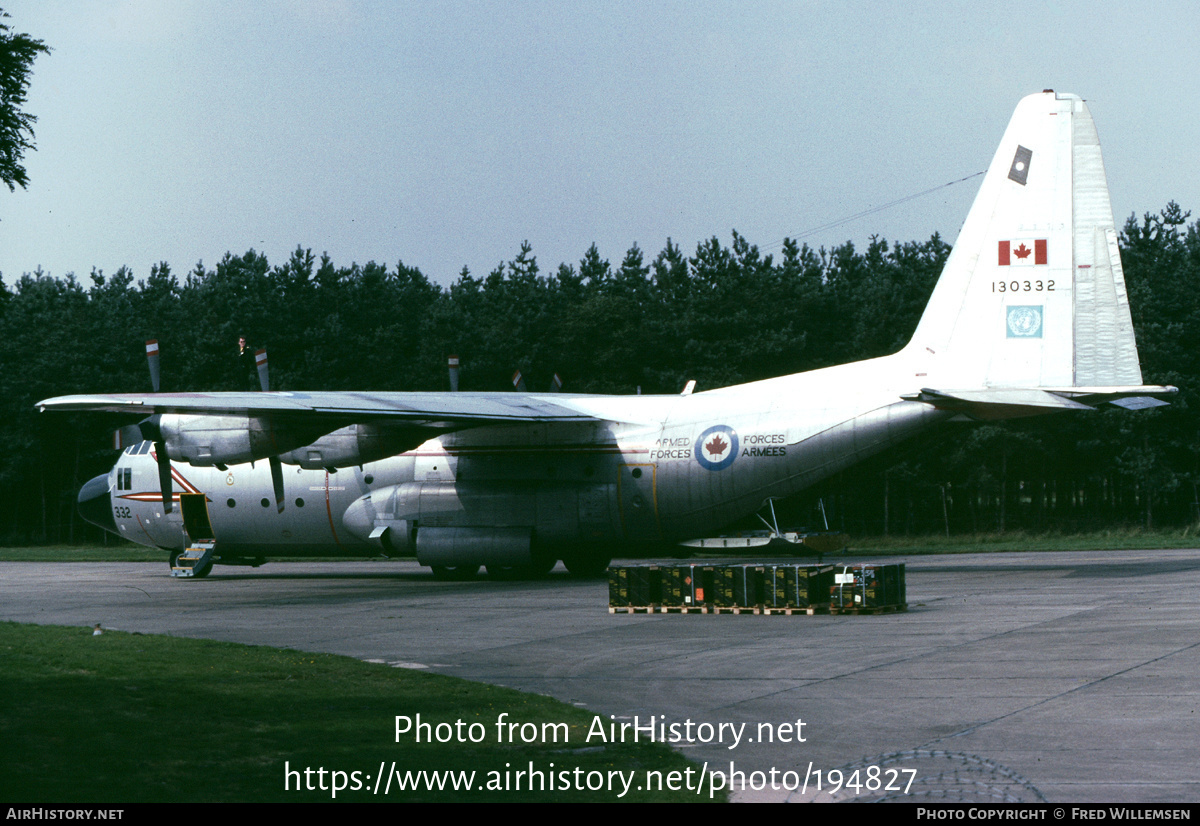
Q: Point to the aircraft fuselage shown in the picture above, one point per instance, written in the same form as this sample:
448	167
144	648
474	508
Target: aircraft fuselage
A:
652	470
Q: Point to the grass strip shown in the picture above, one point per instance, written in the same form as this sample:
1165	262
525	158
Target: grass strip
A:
128	718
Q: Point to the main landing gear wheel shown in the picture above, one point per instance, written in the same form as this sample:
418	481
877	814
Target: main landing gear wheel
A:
455	573
536	569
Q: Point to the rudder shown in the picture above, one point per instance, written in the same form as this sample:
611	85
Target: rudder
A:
1033	294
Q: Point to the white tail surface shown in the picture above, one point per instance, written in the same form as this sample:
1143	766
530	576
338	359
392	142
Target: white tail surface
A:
1033	294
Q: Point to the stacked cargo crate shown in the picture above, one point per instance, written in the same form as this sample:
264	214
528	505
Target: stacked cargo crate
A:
868	588
770	588
797	587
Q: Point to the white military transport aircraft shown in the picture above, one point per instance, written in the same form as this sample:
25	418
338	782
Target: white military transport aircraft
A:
1029	316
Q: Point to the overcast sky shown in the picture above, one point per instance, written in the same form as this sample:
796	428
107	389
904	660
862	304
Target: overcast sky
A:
443	134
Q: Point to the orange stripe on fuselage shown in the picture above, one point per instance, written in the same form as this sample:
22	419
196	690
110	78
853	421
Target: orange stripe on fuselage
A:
329	512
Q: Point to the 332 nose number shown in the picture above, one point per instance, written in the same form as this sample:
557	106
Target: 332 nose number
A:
122	512
1023	286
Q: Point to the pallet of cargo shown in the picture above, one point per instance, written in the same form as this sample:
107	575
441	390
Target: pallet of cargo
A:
756	588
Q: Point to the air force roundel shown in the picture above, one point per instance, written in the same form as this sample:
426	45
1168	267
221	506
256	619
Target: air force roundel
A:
717	447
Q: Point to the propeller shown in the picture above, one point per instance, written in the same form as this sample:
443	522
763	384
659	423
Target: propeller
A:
453	365
518	382
152	359
164	476
556	384
277	481
260	361
264	381
149	429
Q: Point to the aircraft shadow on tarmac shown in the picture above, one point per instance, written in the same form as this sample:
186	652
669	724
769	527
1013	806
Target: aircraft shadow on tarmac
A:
557	579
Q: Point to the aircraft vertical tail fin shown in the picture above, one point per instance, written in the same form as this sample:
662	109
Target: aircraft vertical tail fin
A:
1033	294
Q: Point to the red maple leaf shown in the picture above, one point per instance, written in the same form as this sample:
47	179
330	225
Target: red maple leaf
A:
716	446
1022	251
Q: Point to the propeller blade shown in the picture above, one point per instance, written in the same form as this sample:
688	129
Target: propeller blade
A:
453	364
277	481
126	436
556	384
164	476
152	358
260	361
518	382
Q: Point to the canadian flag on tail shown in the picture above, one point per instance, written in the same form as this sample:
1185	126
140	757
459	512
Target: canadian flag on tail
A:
1021	252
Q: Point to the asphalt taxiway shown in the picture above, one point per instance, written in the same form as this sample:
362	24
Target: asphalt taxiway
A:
1068	677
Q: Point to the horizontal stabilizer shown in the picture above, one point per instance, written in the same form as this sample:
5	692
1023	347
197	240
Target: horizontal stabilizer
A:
1139	402
1007	403
1016	402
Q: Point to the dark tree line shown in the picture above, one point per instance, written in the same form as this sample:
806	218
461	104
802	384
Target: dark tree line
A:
723	315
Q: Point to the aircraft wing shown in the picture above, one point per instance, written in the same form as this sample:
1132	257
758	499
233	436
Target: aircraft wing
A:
442	410
1015	402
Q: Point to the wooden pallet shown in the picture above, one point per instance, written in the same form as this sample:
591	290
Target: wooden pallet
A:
878	609
811	610
713	609
807	611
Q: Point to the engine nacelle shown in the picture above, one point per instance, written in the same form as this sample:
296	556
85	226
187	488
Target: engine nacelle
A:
356	445
446	523
206	441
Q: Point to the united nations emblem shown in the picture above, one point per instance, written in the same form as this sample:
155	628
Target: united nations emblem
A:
1025	321
717	447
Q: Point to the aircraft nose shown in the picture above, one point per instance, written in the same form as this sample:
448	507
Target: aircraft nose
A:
95	505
